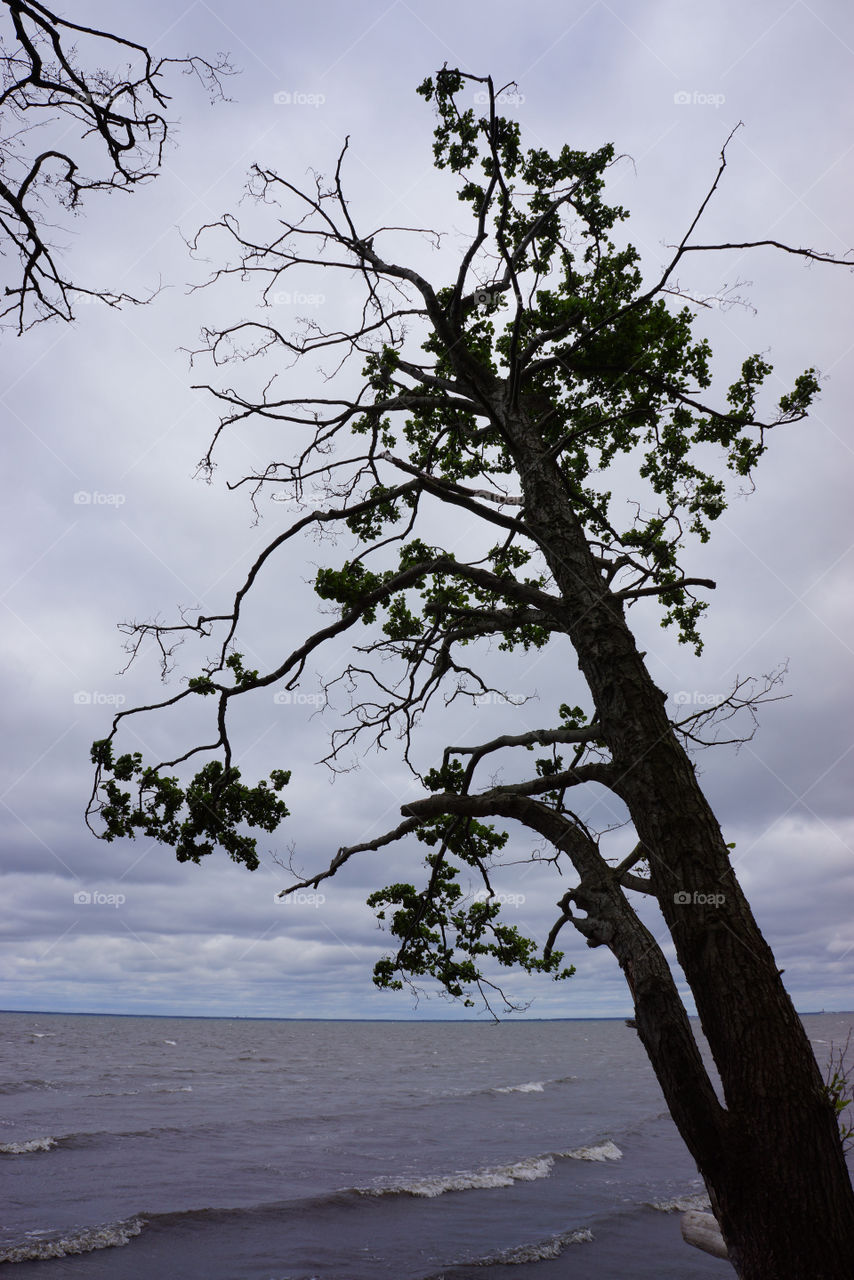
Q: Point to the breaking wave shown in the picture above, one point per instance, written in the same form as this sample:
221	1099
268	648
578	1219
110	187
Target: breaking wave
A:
467	1180
533	1086
540	1251
604	1151
90	1138
529	1170
23	1148
530	1086
108	1236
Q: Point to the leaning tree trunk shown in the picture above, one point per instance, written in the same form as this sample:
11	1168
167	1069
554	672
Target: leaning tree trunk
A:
774	1167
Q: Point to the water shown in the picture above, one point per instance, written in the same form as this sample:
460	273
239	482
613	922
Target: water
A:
232	1149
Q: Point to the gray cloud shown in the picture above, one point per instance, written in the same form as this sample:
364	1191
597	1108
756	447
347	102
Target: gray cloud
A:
105	410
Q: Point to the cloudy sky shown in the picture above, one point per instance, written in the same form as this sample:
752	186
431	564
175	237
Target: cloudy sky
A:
105	409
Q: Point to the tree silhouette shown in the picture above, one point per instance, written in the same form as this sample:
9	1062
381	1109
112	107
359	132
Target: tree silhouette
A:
504	396
51	89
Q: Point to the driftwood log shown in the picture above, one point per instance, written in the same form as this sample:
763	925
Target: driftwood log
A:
702	1231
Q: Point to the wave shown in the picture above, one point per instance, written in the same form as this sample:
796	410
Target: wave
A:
485	1091
55	1244
540	1251
132	1093
604	1151
108	1236
533	1086
683	1204
528	1170
43	1245
23	1148
47	1245
465	1180
25	1086
88	1138
114	1093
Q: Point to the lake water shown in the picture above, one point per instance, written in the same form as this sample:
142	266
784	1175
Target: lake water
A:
242	1149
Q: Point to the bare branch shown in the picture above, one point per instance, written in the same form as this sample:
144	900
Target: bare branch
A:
120	113
345	854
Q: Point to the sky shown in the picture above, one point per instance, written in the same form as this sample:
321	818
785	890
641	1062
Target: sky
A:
106	518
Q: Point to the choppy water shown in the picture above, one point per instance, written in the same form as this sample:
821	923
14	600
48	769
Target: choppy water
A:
231	1149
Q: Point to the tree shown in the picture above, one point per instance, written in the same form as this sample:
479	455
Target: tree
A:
118	116
543	360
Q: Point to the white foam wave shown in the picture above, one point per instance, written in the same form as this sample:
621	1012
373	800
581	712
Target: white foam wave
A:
114	1093
21	1148
533	1086
604	1151
466	1180
111	1235
699	1201
170	1041
541	1251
